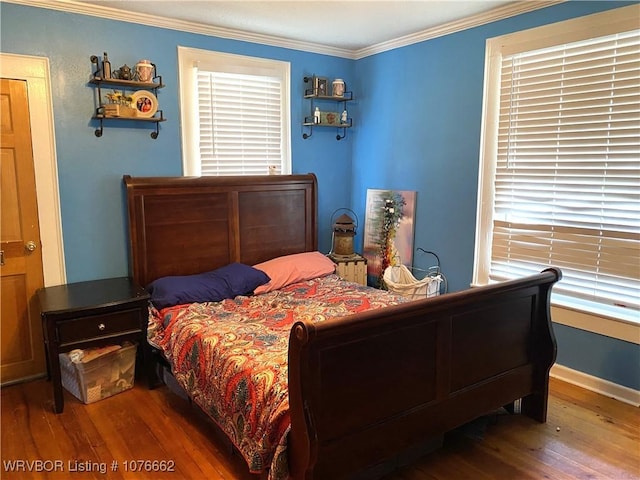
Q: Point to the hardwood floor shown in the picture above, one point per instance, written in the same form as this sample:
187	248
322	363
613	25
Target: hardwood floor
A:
587	436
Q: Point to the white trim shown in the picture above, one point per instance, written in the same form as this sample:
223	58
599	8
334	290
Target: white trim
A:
96	10
499	13
605	23
591	322
35	71
619	19
188	59
189	128
595	384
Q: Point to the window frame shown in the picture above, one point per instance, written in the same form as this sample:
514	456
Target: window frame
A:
188	60
614	324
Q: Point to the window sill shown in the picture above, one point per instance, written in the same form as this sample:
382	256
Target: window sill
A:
623	326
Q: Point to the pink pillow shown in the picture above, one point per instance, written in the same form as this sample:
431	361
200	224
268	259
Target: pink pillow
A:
294	268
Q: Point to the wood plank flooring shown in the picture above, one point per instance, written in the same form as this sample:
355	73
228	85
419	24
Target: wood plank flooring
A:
587	436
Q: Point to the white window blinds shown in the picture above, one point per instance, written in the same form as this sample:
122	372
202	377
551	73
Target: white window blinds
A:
240	119
567	180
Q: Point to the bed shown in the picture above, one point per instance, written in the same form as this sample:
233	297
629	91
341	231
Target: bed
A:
377	380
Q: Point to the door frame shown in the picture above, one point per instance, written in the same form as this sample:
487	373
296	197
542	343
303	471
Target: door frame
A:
35	71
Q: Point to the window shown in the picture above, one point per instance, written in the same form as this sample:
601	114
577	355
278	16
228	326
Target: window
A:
235	114
560	166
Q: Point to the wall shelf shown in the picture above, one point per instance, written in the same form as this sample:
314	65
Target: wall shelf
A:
327	119
126	86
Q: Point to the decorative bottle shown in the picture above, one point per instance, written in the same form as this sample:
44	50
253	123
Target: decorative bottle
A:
106	67
344	116
316	116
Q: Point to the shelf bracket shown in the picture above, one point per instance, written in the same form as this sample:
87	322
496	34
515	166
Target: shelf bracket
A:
94	60
99	131
339	136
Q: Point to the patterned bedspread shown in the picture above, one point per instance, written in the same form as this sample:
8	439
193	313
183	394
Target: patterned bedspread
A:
231	356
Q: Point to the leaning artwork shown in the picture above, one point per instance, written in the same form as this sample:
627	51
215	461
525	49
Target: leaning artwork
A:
388	231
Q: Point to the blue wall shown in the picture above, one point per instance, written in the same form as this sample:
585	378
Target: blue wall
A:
417	118
90	169
600	356
421	109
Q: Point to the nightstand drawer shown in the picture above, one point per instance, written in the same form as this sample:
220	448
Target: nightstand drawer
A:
96	326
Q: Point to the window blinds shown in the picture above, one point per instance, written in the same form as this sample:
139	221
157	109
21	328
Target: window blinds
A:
567	181
240	121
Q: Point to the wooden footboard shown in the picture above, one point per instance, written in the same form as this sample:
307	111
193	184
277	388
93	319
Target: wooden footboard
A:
366	387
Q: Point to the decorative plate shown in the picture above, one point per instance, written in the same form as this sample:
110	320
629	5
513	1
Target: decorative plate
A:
145	103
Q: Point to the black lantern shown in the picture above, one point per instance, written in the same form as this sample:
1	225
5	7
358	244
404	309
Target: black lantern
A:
344	229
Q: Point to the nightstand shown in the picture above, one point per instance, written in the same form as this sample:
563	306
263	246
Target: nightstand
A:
351	267
91	314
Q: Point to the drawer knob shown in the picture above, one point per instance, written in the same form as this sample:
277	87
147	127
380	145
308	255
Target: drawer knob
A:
101	326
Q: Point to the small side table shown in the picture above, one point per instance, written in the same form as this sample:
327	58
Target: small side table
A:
91	314
351	267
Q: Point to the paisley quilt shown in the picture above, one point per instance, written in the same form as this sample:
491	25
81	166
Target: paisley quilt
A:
231	356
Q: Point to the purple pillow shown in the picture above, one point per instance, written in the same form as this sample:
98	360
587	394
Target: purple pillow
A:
225	282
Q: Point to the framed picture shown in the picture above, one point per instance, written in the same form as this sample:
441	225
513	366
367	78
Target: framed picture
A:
145	103
321	86
329	118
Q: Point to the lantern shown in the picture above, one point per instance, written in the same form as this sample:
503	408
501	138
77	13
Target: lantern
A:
344	229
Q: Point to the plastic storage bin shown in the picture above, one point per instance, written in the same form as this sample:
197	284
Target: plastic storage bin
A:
101	373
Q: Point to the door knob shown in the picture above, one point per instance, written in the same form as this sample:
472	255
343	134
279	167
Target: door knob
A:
30	246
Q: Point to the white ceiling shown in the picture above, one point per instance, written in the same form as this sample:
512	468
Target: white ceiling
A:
349	25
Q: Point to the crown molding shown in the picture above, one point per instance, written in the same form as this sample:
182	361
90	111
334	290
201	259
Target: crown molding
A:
500	13
109	13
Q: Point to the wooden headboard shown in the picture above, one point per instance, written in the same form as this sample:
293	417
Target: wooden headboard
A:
187	225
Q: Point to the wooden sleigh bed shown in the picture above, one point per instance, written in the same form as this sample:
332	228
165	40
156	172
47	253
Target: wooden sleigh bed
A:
365	389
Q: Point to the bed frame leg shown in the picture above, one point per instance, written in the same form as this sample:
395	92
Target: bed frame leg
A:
535	406
153	370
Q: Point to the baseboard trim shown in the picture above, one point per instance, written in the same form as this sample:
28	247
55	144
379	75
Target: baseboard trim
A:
595	384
